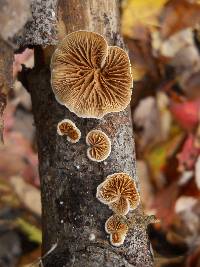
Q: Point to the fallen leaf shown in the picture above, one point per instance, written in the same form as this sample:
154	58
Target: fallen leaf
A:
146	119
162	161
18	158
188	155
175	43
147	192
197	136
27	194
165	115
31	259
191	84
193	259
164	203
197	172
186	113
22	97
185	177
184	203
137	13
167	262
177	15
33	233
142	59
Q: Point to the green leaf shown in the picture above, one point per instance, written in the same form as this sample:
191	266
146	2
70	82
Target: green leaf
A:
34	234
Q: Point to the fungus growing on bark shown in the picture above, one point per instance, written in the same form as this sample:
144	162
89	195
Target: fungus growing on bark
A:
119	192
117	230
89	77
68	128
100	145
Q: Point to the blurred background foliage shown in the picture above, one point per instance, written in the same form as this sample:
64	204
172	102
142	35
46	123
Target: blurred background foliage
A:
163	39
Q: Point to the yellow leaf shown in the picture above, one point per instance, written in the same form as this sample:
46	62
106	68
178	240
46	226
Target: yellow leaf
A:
140	12
138	73
34	234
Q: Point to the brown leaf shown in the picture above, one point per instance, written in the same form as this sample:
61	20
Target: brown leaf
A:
193	259
28	195
18	158
142	59
177	15
192	85
147	193
164	204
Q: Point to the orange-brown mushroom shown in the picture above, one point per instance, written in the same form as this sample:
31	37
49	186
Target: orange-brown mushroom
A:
117	230
100	145
68	128
119	192
89	77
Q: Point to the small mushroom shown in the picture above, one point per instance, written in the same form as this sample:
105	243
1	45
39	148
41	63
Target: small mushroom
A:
67	127
119	192
89	77
100	145
117	230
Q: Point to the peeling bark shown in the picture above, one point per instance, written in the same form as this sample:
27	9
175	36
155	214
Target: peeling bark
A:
72	216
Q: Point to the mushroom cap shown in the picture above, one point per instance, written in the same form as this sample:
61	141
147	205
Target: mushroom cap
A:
120	206
100	145
117	239
119	192
89	77
117	230
68	127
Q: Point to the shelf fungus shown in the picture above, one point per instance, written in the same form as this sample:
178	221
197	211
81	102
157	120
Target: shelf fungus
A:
117	228
119	192
100	145
68	128
89	77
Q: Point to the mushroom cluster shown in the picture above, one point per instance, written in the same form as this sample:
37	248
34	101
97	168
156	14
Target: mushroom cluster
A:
117	230
93	79
89	77
119	192
68	128
99	145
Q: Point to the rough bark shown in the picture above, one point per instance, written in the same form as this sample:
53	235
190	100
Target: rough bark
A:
72	217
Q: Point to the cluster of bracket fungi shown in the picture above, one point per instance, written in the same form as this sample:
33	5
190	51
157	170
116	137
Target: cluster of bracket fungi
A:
93	79
119	192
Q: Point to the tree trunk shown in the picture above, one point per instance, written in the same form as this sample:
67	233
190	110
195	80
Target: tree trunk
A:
72	217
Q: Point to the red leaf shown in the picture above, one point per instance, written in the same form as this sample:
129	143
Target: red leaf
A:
186	113
188	156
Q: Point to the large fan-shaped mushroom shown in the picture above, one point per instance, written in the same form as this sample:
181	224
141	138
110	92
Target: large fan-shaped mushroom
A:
89	77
